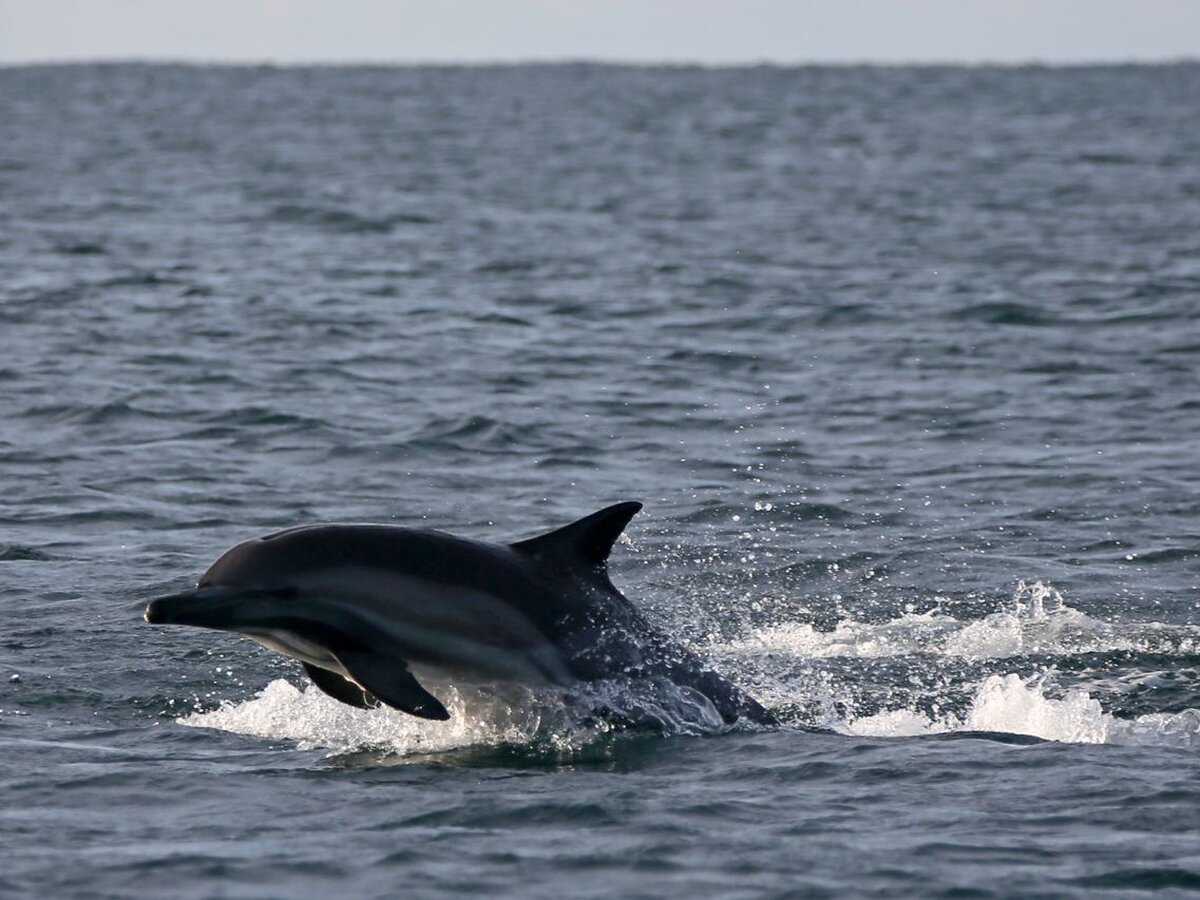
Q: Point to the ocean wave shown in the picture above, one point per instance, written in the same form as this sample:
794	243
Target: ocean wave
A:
22	553
343	220
480	434
1006	314
264	417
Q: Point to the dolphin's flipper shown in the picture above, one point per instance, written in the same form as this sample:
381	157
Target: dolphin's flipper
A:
340	688
392	682
583	544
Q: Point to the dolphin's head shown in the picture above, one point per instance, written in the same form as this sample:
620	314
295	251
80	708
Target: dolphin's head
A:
237	589
257	581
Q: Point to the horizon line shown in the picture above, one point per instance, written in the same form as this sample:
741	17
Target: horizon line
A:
611	62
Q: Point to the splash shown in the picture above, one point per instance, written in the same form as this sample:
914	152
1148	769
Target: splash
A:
526	717
316	721
931	672
1009	704
1037	621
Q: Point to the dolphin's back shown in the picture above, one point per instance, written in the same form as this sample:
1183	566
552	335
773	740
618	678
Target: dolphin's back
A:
416	555
423	553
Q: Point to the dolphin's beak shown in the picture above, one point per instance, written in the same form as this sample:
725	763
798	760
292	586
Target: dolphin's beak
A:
183	608
161	609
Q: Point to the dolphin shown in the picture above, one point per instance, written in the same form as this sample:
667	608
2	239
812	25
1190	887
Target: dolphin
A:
368	608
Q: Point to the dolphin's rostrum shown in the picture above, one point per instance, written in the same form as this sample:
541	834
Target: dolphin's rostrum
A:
359	605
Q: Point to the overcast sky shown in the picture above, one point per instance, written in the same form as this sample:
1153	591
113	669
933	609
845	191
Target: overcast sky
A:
706	31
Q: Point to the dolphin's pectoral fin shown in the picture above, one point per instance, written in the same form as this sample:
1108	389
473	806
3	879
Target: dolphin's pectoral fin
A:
340	688
393	684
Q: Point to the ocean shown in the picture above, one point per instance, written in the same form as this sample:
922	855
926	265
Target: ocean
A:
904	363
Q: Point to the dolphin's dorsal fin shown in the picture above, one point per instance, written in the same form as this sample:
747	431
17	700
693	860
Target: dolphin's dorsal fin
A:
585	543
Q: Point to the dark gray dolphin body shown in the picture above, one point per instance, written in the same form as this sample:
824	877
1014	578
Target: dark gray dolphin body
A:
362	605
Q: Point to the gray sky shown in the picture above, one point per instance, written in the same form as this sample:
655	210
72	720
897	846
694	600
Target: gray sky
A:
707	31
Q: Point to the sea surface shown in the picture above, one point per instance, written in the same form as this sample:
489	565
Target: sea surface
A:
904	363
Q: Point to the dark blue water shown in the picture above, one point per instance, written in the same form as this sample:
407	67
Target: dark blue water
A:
905	364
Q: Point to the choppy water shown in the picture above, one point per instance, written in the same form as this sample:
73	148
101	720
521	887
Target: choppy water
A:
904	363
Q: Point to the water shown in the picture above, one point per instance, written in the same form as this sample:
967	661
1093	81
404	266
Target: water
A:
903	362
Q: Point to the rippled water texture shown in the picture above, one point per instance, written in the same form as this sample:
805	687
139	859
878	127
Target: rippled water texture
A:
903	362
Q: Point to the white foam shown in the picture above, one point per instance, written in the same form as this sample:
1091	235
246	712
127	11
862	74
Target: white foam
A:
313	720
892	723
1005	704
522	716
1009	704
1037	622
